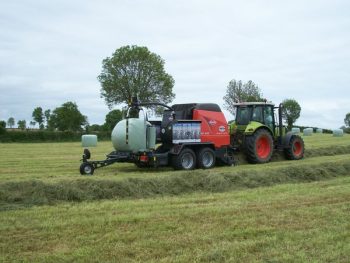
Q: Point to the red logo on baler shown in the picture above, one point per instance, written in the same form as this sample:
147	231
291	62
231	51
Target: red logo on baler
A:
212	122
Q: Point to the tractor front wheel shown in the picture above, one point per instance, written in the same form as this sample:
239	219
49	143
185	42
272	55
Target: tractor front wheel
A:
259	147
295	148
185	160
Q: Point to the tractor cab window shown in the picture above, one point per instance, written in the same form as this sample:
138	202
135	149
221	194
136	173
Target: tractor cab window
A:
243	115
268	116
258	114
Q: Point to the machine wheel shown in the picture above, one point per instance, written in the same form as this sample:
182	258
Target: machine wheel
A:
295	148
206	158
86	168
185	160
141	165
259	147
87	154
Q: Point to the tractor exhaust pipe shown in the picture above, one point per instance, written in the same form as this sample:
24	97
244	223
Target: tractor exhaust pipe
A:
280	124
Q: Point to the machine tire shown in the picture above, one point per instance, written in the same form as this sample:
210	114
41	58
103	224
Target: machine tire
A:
87	154
206	158
141	165
295	148
259	147
185	160
86	169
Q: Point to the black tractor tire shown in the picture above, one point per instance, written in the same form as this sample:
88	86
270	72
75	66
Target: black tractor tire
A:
185	160
259	146
206	158
142	165
86	169
295	149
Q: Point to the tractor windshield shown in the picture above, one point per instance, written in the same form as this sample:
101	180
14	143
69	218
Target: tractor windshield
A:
243	115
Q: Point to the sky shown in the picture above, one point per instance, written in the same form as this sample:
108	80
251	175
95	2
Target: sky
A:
51	52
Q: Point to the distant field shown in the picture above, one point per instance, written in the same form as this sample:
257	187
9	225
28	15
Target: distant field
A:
326	140
297	211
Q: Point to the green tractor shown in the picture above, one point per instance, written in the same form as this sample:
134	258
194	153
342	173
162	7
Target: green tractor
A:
258	132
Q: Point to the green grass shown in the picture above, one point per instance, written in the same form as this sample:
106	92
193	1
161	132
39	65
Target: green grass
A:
325	140
52	162
284	223
283	211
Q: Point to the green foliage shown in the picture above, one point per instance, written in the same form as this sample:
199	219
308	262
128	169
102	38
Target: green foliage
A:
135	71
22	124
238	92
347	120
67	118
47	115
11	122
95	128
112	118
38	116
2	127
290	112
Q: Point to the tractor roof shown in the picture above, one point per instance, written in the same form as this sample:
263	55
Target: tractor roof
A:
253	103
197	106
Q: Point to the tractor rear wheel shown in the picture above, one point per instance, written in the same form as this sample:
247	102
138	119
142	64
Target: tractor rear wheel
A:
295	148
206	158
259	147
185	160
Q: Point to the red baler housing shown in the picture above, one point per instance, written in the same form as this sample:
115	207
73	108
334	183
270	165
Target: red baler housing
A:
214	127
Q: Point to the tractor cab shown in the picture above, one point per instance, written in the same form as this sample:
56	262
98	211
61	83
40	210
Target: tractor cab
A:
258	112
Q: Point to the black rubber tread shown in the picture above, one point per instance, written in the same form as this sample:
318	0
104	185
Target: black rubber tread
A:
176	159
288	151
83	165
87	154
250	146
142	165
200	154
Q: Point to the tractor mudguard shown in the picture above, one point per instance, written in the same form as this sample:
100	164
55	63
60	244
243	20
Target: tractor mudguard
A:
253	126
286	139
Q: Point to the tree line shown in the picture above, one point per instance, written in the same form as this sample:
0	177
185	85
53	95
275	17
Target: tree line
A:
135	71
67	117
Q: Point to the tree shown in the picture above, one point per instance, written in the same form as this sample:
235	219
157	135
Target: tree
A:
135	71
38	116
47	115
238	92
32	124
290	112
22	124
2	127
11	122
67	117
95	128
347	120
112	118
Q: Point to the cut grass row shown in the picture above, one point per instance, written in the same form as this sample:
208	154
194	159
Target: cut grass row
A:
35	192
283	223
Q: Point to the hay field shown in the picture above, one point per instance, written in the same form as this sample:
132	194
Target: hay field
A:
281	211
